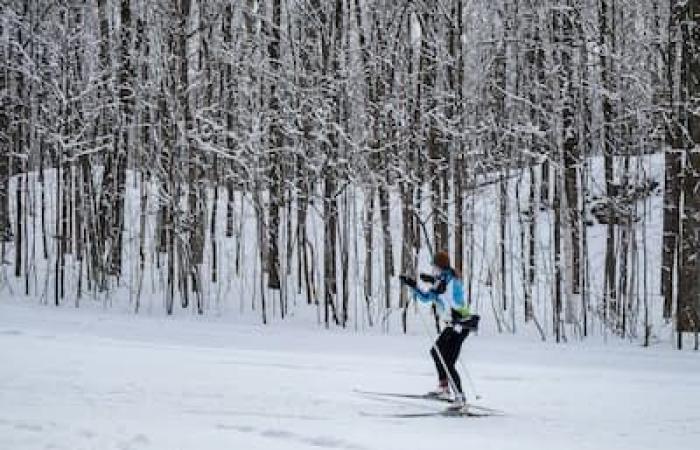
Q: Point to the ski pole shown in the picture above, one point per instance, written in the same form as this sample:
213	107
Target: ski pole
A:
472	386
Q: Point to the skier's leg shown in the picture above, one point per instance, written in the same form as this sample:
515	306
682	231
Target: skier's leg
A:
440	346
452	354
455	378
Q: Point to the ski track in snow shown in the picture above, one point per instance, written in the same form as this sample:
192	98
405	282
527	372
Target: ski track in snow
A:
81	380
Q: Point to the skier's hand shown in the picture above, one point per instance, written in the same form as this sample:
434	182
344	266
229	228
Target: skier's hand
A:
426	278
407	281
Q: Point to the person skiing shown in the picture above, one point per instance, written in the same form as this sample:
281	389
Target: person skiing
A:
447	292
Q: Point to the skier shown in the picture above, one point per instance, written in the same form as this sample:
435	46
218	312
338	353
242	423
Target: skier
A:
447	292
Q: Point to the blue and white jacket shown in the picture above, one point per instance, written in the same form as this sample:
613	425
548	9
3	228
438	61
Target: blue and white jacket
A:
447	292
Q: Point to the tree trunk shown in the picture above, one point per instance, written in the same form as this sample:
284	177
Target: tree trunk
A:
609	143
369	245
673	162
276	142
688	310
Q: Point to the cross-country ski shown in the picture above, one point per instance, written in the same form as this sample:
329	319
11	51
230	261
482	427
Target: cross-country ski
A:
429	397
427	414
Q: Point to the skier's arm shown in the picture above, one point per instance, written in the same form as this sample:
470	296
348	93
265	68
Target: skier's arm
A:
425	296
432	294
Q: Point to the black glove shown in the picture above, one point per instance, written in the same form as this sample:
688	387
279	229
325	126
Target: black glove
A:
427	278
407	281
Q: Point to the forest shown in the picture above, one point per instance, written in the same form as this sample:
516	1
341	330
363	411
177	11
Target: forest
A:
293	157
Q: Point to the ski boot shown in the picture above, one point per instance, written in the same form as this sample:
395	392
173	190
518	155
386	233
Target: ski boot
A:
459	405
442	392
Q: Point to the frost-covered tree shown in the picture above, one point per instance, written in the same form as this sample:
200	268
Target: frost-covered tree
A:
301	154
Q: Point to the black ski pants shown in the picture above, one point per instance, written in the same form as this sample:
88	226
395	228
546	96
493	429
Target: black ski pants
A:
449	344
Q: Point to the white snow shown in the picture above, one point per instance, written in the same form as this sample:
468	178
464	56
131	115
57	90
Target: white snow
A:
85	379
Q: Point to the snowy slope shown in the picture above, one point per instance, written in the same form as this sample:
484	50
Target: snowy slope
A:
100	380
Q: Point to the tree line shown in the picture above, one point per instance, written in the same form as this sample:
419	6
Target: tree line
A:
301	110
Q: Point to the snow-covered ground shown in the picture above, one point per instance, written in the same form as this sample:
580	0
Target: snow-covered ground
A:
82	379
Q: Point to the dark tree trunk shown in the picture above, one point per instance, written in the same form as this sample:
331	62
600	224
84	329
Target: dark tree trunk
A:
276	142
673	164
688	311
571	142
609	144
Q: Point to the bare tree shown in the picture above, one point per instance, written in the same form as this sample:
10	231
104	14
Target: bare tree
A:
688	309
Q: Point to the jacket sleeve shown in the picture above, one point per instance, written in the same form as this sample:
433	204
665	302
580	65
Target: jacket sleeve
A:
425	296
432	294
